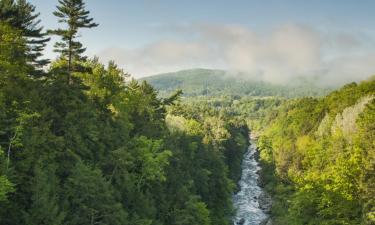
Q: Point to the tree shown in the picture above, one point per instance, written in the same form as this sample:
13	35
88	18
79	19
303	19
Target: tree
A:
5	185
21	16
45	206
12	57
75	16
90	198
194	212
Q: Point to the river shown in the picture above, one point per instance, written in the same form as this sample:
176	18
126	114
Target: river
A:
246	201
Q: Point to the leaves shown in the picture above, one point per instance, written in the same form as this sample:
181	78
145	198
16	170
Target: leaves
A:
323	158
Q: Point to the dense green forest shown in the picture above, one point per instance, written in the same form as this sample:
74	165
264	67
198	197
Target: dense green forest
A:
83	143
206	82
318	157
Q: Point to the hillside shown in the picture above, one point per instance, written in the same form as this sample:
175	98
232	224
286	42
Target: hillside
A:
206	82
318	158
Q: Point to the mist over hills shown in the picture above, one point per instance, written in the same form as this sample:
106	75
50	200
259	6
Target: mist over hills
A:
209	82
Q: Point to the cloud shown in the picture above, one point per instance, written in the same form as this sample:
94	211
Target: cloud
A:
281	55
158	57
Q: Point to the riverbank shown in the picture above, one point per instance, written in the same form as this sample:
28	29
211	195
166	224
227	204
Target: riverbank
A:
275	202
265	200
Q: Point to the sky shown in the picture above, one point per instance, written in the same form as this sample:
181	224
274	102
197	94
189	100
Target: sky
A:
332	41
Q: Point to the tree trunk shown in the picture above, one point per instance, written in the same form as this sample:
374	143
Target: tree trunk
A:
9	150
70	62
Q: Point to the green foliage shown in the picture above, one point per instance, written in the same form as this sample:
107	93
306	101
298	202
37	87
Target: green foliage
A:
100	150
21	16
44	208
74	15
5	185
12	52
194	213
5	188
90	198
322	150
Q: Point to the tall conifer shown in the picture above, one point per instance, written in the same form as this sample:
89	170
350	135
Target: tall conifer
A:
75	16
21	15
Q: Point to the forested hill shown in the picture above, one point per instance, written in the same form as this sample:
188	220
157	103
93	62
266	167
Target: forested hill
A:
206	82
318	158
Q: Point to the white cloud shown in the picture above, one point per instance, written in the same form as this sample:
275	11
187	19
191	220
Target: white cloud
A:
163	56
280	55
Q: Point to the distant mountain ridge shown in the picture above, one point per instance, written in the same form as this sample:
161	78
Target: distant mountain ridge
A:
208	82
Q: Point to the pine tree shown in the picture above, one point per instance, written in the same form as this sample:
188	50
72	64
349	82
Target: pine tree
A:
91	199
5	185
75	16
44	208
21	16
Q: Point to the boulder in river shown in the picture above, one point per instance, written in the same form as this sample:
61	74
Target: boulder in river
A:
241	222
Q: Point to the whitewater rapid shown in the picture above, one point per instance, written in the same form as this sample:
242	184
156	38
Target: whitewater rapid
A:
246	201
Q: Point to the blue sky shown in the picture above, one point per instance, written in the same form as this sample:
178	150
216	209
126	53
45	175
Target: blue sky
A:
165	30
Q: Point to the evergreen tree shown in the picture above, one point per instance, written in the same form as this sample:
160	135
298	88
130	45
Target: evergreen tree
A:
5	185
90	198
21	16
194	212
12	48
75	16
45	206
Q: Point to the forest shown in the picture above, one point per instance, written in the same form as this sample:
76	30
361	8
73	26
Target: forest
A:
318	157
82	142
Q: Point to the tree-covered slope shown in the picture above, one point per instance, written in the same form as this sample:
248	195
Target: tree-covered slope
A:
319	158
83	143
317	153
197	82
